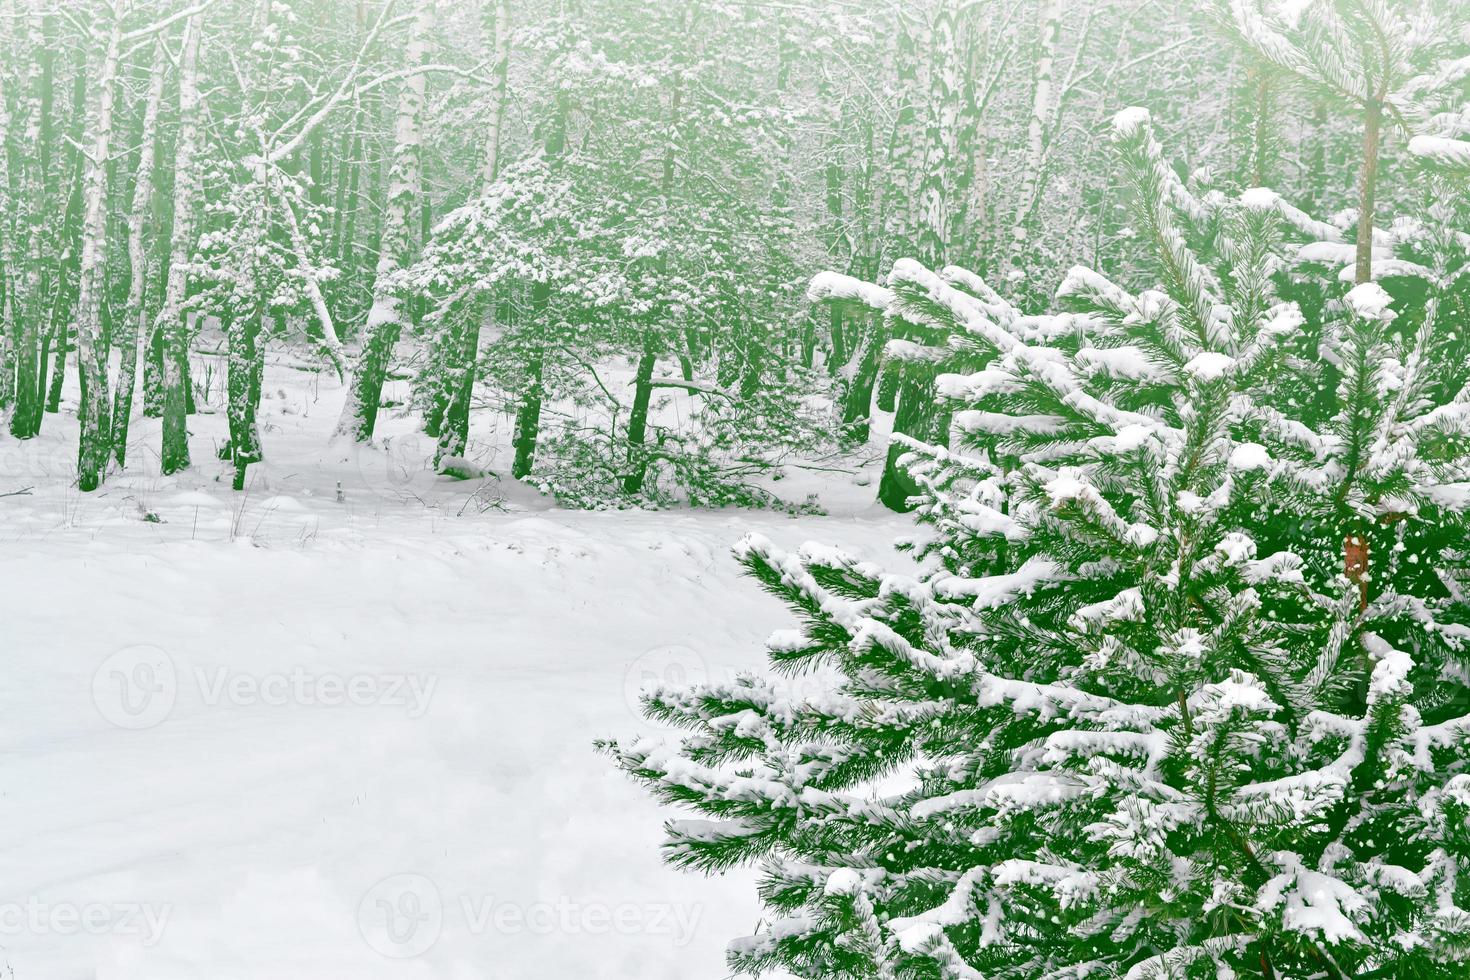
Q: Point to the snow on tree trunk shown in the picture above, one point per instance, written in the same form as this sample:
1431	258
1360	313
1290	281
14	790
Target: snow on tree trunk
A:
133	320
836	240
915	413
860	375
897	207
64	244
463	338
386	317
499	72
1037	125
29	231
637	461
940	152
528	412
331	346
242	381
9	237
92	347
171	325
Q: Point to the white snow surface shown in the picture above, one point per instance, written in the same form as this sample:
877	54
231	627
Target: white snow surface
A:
1209	366
1442	150
1369	301
308	733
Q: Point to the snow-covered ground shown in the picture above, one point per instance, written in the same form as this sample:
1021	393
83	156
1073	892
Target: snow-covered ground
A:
297	733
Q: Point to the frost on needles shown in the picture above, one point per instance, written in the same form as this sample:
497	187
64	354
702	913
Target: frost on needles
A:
1182	689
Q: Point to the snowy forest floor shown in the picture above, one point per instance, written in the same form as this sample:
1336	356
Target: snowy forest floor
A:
278	734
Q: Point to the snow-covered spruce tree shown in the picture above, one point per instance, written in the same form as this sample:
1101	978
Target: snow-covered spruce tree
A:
1135	718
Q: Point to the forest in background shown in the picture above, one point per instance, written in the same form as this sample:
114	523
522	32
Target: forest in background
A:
558	213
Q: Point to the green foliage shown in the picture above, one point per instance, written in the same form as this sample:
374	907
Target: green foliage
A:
1148	709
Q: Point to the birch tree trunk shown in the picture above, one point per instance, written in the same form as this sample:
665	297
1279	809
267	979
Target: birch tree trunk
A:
832	176
916	397
1037	127
860	331
170	324
134	320
245	311
940	152
67	247
982	64
499	72
894	189
92	346
28	305
464	332
896	209
9	256
385	319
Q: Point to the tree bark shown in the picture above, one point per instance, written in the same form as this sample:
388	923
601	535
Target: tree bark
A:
464	332
528	412
897	208
386	317
861	375
27	302
170	324
914	417
63	287
135	317
942	124
246	361
637	465
8	262
1036	130
92	349
1367	187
